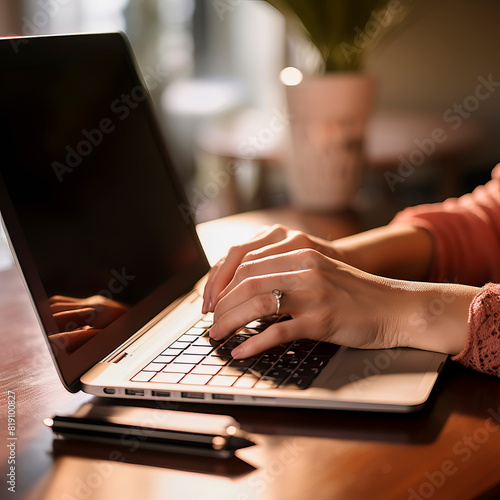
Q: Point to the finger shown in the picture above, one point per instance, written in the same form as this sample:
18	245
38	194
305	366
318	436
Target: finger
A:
254	308
71	341
75	318
294	241
67	306
275	264
62	299
222	273
278	333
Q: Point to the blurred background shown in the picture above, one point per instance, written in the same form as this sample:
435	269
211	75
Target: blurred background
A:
215	65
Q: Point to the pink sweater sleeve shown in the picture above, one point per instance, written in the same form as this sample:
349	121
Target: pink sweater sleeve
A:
466	233
482	348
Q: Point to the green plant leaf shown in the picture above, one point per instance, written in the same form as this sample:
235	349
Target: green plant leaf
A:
334	26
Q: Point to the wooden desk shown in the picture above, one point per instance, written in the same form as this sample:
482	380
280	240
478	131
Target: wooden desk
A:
450	450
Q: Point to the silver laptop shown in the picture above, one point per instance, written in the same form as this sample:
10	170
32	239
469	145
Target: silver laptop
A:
103	236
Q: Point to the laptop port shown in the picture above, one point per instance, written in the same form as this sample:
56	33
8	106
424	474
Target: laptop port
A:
226	397
193	395
160	394
134	392
108	390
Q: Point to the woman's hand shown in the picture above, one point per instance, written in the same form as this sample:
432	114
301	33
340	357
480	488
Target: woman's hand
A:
275	240
331	301
326	299
96	311
80	319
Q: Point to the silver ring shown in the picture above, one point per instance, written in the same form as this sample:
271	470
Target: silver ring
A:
278	294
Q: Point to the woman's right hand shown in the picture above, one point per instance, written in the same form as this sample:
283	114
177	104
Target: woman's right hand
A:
275	240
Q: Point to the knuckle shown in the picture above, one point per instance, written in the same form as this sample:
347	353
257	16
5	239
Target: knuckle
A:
250	284
235	250
243	271
280	332
314	274
300	239
311	258
279	230
250	256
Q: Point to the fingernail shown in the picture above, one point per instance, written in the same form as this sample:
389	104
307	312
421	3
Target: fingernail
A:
237	352
213	333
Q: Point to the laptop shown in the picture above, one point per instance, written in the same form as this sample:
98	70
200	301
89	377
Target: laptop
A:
97	222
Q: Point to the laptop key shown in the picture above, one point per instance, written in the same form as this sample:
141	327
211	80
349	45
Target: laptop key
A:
306	372
245	382
189	339
179	345
215	360
172	352
154	367
234	372
243	363
206	369
315	362
196	379
300	381
169	378
199	350
163	358
178	368
202	341
302	346
222	381
196	330
143	376
265	383
303	382
261	366
187	358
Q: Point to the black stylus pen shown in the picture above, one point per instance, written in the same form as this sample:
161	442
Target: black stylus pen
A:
176	431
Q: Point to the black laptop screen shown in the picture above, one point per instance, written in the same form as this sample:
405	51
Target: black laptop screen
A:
89	197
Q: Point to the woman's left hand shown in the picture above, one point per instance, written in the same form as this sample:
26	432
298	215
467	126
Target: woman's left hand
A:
326	299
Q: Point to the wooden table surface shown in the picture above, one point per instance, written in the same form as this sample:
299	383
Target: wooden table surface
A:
449	450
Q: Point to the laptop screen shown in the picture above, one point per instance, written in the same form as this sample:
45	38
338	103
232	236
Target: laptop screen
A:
88	195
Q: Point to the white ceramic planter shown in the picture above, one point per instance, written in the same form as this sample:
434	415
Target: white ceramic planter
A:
328	120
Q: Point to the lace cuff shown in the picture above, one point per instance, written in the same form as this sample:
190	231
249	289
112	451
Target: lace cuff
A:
482	348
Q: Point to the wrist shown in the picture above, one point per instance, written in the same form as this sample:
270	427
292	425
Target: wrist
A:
436	317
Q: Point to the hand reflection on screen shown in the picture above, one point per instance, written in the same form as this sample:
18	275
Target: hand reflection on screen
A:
79	319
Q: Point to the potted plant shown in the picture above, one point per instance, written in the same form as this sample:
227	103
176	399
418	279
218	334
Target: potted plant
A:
330	109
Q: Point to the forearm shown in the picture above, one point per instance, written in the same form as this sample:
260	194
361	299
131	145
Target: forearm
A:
436	316
399	251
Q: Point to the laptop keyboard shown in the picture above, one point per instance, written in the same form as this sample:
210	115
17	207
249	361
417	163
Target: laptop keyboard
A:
196	359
